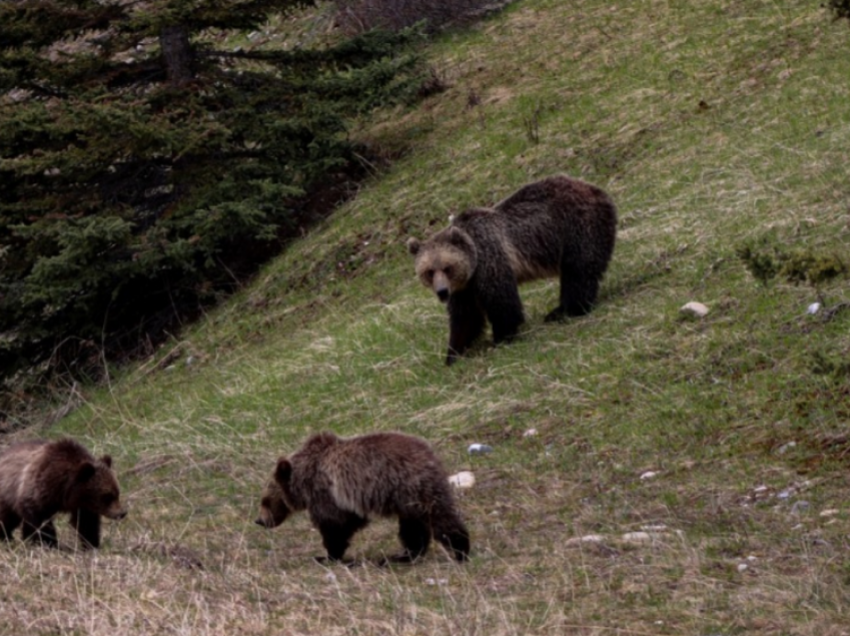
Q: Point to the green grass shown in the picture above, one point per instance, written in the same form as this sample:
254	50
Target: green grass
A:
710	124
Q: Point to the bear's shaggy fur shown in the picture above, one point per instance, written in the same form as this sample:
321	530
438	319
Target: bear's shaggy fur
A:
344	482
559	226
39	479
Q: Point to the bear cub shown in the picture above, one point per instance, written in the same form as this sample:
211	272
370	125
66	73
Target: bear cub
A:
342	483
40	478
558	226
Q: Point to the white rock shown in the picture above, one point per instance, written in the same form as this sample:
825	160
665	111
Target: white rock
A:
786	447
695	309
829	512
588	538
743	567
648	475
463	479
532	432
476	449
430	581
638	537
813	309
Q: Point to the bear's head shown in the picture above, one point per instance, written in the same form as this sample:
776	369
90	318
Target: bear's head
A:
95	489
279	497
446	262
273	508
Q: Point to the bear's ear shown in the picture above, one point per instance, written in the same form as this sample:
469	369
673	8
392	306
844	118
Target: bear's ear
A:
283	471
86	472
457	236
106	460
413	245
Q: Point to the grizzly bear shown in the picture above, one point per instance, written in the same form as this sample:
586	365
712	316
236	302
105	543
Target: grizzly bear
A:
40	478
343	482
557	226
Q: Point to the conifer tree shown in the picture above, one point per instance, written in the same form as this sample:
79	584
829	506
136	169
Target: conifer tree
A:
138	155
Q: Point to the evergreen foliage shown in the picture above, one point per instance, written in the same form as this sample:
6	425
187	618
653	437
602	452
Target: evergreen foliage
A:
141	166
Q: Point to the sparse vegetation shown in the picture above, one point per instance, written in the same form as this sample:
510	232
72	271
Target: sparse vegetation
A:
359	16
840	8
713	437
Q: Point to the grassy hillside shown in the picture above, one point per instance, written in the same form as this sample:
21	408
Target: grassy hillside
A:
723	441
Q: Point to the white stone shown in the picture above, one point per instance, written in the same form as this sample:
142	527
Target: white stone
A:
743	567
813	309
786	447
476	449
638	537
430	581
463	479
588	538
829	512
532	432
648	475
695	309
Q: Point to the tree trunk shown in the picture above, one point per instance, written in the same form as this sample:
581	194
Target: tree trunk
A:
177	53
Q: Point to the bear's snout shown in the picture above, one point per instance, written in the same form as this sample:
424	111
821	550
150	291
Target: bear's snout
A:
117	515
443	294
262	522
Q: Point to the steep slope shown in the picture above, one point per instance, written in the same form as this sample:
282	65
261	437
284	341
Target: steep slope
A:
721	442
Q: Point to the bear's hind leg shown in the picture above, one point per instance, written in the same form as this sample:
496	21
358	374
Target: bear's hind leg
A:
415	535
578	295
87	525
45	534
337	533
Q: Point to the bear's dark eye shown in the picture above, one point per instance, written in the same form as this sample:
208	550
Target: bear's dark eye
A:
429	274
265	503
107	499
449	271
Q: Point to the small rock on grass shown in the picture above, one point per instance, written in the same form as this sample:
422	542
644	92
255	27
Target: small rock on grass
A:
694	309
463	479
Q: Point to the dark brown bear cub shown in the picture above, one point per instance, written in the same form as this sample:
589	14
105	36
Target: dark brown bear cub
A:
343	482
555	227
39	479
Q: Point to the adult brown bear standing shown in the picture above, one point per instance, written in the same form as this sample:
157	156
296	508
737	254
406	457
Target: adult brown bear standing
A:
558	226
